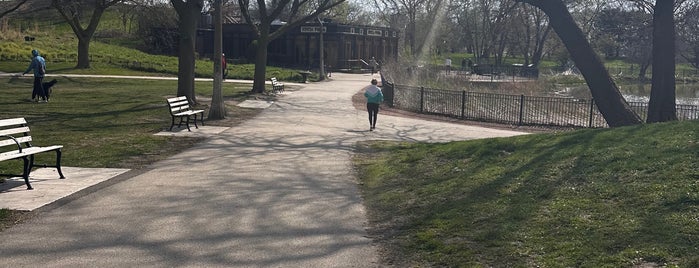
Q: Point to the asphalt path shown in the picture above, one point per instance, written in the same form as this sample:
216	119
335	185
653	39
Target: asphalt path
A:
278	190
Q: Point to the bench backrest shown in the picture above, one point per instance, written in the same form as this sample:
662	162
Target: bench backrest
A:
178	104
14	128
274	80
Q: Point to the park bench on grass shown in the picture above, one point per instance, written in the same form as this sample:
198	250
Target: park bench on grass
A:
276	86
15	143
179	108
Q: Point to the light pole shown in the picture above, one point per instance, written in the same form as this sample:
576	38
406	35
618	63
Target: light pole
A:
321	53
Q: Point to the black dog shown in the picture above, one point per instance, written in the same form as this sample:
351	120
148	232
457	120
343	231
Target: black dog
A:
47	87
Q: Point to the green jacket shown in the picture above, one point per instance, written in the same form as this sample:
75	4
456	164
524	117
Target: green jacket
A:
373	94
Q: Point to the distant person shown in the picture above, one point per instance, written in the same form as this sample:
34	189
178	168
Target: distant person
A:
38	64
463	64
374	65
224	66
374	97
447	65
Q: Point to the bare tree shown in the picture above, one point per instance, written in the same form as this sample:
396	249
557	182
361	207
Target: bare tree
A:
267	16
408	8
188	12
534	34
688	27
609	100
72	12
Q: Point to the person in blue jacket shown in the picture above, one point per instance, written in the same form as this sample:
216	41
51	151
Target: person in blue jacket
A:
38	64
374	97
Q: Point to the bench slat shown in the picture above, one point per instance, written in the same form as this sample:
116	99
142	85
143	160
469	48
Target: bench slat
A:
22	139
180	103
12	121
27	151
176	99
13	131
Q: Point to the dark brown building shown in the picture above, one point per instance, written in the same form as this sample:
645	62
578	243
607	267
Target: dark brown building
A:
346	46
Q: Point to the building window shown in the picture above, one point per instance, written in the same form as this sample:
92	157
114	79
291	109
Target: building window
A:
373	32
361	31
311	29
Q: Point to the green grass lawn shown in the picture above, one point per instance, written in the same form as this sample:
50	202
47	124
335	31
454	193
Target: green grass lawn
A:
106	122
622	197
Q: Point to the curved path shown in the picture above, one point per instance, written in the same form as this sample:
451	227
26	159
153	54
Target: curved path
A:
276	191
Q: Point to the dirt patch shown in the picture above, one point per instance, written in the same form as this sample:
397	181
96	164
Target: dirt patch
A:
11	217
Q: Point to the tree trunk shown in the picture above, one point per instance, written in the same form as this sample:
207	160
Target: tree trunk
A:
218	109
661	106
83	52
258	85
188	18
605	92
539	48
643	69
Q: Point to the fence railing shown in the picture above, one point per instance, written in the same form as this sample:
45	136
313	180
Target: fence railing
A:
510	109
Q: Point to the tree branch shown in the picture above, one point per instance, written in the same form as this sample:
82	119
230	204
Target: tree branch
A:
19	4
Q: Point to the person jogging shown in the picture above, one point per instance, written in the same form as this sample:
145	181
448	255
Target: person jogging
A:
374	98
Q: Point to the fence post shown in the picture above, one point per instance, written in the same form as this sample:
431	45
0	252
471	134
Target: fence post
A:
592	109
422	98
521	109
463	104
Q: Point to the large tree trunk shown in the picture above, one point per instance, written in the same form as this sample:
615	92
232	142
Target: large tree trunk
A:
218	109
258	85
662	105
188	13
605	92
83	52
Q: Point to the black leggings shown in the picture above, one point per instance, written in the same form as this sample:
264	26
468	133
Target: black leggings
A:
38	88
373	109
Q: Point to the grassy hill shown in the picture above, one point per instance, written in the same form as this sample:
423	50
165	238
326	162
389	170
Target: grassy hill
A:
114	50
623	197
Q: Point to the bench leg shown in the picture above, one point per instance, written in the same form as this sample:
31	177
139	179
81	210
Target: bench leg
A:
188	119
58	164
201	118
172	124
27	169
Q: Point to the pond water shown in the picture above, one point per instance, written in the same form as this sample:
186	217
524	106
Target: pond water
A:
685	93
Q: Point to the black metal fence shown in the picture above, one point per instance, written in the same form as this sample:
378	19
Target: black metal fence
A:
510	109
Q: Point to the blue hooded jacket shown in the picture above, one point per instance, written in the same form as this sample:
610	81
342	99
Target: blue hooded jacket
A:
38	64
373	94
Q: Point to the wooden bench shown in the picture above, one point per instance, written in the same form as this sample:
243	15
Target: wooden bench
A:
15	143
276	85
179	108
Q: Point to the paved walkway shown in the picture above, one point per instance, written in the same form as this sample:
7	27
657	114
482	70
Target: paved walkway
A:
276	191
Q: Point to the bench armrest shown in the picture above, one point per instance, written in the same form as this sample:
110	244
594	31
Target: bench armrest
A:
19	146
